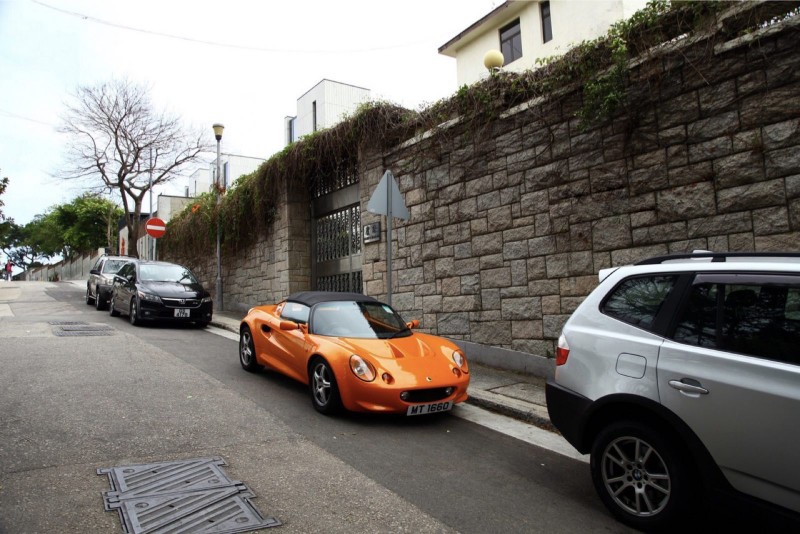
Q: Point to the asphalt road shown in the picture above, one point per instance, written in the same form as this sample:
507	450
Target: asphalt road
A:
71	405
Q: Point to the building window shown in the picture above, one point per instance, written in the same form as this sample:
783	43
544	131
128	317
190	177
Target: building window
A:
314	114
547	27
511	42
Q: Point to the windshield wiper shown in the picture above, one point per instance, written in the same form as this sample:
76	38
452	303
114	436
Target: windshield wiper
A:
395	334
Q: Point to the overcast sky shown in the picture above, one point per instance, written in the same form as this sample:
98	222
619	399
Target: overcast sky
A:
242	63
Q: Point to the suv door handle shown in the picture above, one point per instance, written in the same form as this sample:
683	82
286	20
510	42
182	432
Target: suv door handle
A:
682	385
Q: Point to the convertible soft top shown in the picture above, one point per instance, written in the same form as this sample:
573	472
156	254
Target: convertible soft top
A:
309	298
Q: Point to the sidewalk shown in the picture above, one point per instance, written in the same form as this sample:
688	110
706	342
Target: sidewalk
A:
516	395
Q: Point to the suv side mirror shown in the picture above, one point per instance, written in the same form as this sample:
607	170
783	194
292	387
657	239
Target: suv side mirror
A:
94	271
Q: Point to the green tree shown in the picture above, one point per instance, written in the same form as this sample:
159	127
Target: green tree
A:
43	236
20	243
79	227
87	223
122	144
3	185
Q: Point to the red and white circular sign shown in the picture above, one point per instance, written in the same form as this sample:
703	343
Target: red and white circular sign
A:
156	227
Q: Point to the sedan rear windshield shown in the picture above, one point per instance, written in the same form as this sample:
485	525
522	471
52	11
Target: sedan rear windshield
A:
369	320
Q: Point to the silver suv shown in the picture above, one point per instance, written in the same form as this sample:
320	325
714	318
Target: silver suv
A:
682	374
101	277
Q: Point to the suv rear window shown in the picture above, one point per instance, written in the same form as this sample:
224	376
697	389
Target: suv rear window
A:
636	301
755	318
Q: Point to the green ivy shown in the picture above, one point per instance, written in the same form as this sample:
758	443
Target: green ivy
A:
598	68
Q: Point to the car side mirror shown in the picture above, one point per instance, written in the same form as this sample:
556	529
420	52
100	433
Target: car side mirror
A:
94	271
412	324
289	325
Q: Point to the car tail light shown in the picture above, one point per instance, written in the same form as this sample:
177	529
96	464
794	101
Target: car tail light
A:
562	350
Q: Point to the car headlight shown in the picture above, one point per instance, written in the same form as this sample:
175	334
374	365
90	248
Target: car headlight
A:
362	368
460	360
148	296
205	299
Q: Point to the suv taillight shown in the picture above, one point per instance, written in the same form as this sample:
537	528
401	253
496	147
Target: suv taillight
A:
562	350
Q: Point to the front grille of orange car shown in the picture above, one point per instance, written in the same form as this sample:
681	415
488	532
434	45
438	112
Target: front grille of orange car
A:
427	395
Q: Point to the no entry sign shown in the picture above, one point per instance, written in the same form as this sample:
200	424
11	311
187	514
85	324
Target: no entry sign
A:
156	227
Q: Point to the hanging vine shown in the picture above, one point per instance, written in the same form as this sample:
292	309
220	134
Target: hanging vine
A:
599	69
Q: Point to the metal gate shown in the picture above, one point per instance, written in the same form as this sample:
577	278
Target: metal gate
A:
336	253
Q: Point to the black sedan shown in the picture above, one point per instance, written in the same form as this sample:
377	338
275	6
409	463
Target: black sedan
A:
159	291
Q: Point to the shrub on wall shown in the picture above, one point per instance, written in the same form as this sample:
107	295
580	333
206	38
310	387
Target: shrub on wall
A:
599	67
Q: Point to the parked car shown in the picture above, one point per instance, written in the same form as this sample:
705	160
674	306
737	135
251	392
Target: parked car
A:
159	291
354	352
101	276
682	374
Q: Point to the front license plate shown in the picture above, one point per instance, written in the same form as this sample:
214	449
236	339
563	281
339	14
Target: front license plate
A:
434	407
181	312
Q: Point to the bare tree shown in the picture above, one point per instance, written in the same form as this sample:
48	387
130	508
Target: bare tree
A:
118	141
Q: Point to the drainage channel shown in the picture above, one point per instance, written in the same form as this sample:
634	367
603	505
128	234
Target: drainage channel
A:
180	497
80	329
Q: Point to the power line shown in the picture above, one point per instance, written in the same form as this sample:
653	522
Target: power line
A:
22	117
96	20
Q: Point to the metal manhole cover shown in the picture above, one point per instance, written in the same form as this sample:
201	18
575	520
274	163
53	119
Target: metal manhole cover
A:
181	496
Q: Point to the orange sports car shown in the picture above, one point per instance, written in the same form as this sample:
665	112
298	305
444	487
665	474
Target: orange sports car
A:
354	352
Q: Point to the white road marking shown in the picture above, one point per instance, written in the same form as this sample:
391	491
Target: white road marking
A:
520	430
222	332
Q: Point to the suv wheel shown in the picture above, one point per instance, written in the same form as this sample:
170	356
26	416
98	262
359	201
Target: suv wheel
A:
89	299
640	475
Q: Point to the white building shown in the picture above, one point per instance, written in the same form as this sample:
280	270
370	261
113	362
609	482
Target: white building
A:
323	106
525	30
232	166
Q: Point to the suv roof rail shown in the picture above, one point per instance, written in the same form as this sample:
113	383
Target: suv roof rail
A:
717	256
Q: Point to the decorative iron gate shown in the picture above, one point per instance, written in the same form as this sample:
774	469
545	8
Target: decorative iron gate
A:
336	236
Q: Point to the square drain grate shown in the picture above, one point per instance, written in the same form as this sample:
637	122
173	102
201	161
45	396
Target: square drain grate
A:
181	496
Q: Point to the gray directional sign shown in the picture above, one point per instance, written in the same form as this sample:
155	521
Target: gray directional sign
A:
387	200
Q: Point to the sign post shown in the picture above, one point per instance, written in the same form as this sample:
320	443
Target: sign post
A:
387	200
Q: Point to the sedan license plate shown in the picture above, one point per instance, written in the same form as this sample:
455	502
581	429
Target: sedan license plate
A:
182	312
434	407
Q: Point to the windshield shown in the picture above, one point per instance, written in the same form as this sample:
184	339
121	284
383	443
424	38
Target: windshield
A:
113	266
370	320
166	273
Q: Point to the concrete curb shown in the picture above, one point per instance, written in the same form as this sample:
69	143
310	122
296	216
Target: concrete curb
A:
516	409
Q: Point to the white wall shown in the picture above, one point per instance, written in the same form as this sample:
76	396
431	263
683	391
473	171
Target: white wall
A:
334	101
573	21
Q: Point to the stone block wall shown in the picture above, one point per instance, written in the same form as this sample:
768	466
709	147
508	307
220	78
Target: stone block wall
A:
277	265
510	223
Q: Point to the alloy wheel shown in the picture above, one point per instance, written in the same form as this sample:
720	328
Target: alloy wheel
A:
321	384
635	476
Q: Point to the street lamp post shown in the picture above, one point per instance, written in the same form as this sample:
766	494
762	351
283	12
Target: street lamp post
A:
218	128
